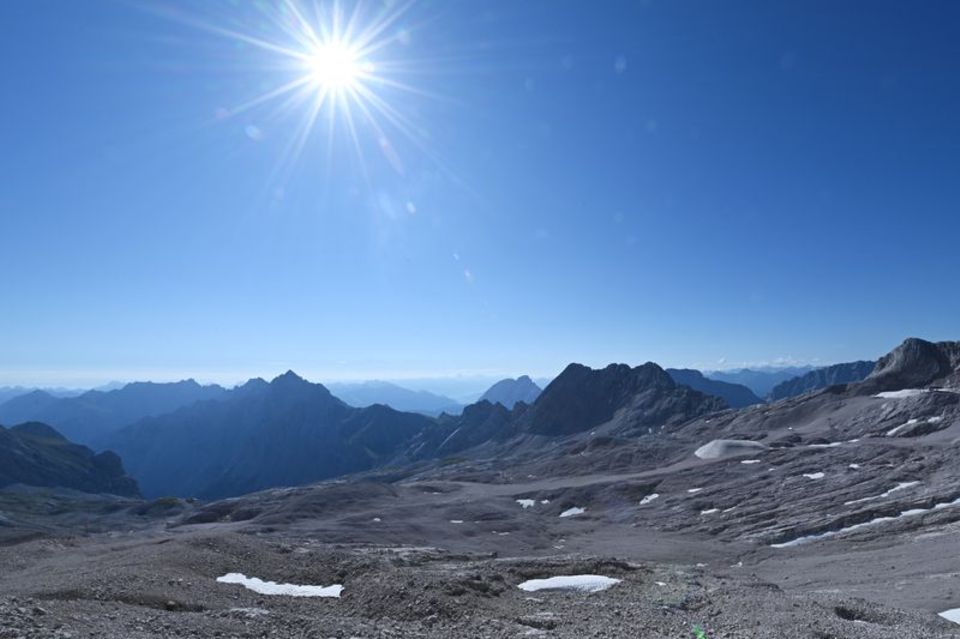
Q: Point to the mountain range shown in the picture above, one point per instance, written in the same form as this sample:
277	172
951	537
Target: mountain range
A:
736	395
363	394
761	380
92	416
822	378
290	431
285	432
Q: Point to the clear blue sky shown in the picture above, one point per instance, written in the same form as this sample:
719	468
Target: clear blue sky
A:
694	183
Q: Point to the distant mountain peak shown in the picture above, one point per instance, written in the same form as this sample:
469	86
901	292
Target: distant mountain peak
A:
287	377
509	392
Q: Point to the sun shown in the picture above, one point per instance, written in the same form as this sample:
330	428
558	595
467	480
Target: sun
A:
340	73
336	65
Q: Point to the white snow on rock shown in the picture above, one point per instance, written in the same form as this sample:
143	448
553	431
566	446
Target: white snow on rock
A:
720	448
854	466
647	499
573	512
750	461
813	475
582	583
901	486
830	445
527	503
710	511
694	490
951	615
873	522
272	588
901	394
893	432
456	521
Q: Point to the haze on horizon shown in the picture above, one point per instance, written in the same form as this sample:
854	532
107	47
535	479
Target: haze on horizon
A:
708	185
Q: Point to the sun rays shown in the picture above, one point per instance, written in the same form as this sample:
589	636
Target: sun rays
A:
338	71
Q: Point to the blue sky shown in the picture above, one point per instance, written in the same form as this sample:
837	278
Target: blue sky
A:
695	183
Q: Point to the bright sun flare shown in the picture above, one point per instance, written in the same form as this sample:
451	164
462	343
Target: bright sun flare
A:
326	57
335	65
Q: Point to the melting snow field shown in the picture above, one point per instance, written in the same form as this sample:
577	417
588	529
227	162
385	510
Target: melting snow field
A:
873	522
901	394
583	583
951	615
573	512
272	588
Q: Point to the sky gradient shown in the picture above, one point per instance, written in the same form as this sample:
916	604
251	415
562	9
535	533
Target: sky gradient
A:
704	184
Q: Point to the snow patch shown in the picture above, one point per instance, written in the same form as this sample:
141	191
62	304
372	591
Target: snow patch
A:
646	500
720	448
901	486
573	512
813	475
456	521
582	583
750	461
710	511
272	588
873	522
694	490
951	615
527	503
901	394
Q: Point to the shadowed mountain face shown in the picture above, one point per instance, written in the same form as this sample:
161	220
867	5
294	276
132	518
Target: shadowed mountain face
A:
736	395
760	381
822	378
365	394
89	418
582	398
37	455
510	391
282	433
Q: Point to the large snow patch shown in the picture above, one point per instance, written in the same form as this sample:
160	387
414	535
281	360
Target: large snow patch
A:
583	583
272	588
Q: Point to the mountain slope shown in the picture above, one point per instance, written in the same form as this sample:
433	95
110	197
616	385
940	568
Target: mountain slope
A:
37	455
582	398
282	433
510	391
761	380
916	363
822	378
736	395
90	417
365	394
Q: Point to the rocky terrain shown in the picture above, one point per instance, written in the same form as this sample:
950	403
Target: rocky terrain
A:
834	514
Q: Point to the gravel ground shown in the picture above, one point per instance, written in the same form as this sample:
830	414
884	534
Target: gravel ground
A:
163	585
